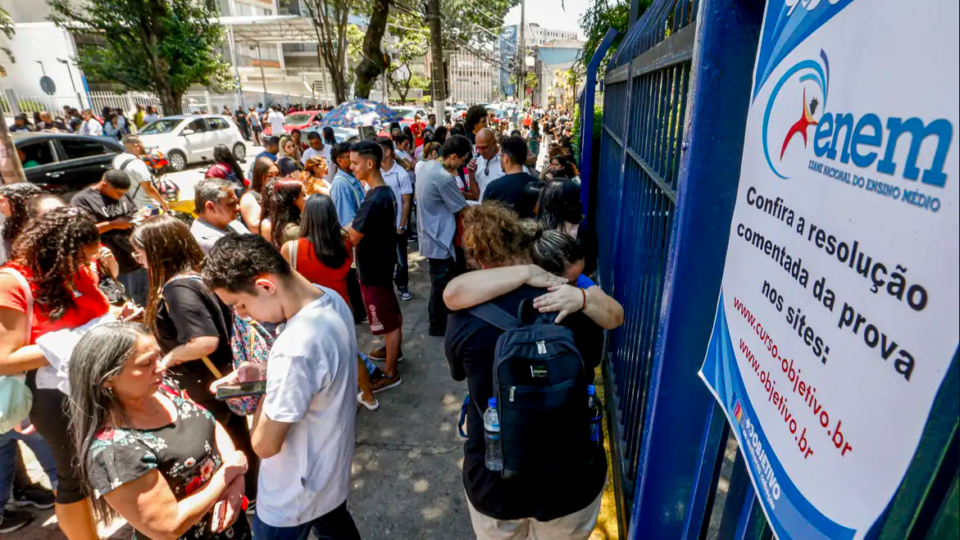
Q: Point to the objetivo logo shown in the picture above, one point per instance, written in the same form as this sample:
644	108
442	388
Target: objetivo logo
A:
803	89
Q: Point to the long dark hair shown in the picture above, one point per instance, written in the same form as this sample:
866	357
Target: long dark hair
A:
321	226
279	196
51	248
222	154
170	250
559	204
17	195
328	136
100	355
259	174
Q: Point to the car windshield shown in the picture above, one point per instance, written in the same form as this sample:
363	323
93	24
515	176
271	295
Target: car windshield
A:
407	114
160	126
297	119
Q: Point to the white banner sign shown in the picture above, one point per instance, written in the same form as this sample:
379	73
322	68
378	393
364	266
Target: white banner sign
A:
838	316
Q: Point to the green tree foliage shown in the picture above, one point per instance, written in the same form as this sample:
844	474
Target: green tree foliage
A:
330	23
6	28
163	46
475	22
596	20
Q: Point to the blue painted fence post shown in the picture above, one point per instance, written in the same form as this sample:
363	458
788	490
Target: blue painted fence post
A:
672	453
586	118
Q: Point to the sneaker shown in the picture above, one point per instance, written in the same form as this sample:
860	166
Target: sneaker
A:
380	355
436	333
385	383
405	295
13	520
34	495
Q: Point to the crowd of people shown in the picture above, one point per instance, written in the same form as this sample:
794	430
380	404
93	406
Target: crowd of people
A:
126	326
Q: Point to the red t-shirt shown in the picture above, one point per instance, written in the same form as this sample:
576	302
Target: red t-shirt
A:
90	302
310	267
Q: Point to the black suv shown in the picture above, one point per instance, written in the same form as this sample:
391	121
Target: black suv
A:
64	163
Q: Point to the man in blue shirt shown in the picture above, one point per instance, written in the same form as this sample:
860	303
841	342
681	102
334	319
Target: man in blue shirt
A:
271	145
346	191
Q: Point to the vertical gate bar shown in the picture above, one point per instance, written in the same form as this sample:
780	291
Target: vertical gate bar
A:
712	449
947	522
681	121
752	524
927	481
679	402
670	166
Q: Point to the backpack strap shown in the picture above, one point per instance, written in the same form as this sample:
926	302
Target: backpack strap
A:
495	316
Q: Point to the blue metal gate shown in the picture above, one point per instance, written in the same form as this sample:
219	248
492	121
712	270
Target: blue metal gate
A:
675	105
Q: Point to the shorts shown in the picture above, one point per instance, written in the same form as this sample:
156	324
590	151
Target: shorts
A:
383	308
257	129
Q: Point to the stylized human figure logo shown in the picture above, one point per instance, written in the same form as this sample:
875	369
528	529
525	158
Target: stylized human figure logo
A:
806	120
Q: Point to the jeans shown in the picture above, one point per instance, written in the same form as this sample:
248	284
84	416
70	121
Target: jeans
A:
402	277
441	272
335	525
8	456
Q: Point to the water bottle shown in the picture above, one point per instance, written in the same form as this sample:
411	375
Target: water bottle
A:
491	434
596	413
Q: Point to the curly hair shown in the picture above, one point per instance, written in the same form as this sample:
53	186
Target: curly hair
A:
52	250
17	195
170	249
494	235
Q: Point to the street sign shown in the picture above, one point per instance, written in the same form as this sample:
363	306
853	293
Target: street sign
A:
48	86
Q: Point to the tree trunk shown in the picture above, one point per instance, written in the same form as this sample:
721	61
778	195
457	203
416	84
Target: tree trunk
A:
373	63
172	102
11	169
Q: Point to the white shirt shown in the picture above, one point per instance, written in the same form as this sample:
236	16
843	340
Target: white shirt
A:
150	118
324	153
399	182
276	122
485	174
311	384
91	127
207	235
412	161
138	172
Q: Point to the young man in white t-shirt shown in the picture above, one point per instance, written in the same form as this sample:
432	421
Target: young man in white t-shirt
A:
275	118
143	190
304	427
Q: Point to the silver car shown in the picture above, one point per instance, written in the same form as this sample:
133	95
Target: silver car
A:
186	139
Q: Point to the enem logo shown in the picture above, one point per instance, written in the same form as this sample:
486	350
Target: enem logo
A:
865	141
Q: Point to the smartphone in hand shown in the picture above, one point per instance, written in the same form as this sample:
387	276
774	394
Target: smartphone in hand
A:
252	388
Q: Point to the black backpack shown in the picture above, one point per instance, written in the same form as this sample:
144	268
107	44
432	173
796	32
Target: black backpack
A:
541	391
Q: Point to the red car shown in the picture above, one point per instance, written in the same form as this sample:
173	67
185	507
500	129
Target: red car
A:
297	120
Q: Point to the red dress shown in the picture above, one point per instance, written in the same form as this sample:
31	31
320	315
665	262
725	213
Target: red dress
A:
310	267
417	129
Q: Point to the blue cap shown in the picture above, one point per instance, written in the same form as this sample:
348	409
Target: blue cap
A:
591	390
492	402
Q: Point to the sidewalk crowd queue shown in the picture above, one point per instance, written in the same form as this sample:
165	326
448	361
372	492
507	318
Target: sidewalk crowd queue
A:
201	379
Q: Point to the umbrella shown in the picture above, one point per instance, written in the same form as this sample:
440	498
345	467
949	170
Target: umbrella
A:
360	112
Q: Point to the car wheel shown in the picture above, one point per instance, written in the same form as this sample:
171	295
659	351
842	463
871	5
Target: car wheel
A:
178	161
239	151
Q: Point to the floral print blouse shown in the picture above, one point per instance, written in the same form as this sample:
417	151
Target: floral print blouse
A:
184	451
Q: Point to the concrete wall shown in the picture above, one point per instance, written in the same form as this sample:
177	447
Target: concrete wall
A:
36	47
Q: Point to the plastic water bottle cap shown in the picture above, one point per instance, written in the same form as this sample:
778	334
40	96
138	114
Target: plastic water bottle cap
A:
591	390
492	402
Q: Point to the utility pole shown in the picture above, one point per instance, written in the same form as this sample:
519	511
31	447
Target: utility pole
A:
521	57
436	51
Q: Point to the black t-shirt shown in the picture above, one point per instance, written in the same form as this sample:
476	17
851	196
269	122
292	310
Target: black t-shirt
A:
188	311
590	243
377	252
105	209
470	345
515	191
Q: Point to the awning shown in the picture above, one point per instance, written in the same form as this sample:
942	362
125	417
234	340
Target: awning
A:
271	29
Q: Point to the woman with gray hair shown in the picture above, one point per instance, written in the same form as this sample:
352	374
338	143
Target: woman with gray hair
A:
144	451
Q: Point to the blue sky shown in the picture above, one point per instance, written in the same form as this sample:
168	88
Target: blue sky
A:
549	14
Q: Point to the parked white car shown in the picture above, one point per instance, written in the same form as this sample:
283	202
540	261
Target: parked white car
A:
191	138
